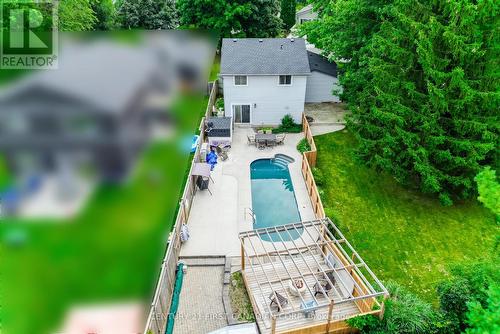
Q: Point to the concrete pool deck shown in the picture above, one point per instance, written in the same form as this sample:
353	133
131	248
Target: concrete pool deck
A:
215	220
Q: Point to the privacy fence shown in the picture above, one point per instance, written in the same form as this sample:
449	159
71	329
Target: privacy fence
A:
309	162
160	306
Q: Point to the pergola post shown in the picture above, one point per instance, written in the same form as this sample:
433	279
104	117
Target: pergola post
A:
330	313
242	255
273	324
382	307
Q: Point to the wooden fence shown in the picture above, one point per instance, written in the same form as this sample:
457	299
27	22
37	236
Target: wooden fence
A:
309	162
160	305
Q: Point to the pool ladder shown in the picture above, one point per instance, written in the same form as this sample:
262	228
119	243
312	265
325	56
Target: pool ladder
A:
252	215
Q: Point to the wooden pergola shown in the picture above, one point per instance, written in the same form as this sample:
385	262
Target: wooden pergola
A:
314	252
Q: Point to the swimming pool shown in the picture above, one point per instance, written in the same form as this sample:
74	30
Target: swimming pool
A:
273	197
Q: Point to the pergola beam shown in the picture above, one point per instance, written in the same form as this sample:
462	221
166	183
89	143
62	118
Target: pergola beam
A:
279	256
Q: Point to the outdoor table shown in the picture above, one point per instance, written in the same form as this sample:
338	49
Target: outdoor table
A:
265	137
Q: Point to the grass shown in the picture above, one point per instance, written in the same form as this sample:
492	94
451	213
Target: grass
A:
112	251
240	302
401	234
214	71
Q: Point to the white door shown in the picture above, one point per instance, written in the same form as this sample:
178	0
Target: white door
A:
241	113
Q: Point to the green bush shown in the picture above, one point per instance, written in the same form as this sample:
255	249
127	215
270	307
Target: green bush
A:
404	314
219	103
303	146
469	284
288	125
318	176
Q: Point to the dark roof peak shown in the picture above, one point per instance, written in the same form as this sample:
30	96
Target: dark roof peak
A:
321	64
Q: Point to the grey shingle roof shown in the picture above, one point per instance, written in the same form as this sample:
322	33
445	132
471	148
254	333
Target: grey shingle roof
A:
321	64
270	56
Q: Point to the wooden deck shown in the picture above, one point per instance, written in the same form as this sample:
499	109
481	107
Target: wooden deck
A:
286	321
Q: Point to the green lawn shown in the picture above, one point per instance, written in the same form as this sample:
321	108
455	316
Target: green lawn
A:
215	69
401	234
111	251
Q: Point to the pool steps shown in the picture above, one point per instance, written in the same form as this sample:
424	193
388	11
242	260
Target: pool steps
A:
282	160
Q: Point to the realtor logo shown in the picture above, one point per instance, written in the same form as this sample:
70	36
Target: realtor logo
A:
29	37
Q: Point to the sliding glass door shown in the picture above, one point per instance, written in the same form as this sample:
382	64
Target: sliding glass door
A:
241	113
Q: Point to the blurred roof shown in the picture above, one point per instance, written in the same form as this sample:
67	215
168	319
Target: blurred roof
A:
112	318
265	56
103	74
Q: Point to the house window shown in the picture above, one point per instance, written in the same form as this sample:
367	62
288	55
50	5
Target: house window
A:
240	80
304	20
285	80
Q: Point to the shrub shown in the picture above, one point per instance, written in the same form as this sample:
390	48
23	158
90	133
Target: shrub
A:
453	298
288	125
469	284
404	314
318	176
485	319
219	103
303	146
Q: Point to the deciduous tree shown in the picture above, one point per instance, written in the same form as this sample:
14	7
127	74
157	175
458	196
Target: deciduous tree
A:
147	14
232	18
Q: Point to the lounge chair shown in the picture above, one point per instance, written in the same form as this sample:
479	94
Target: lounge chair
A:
251	139
325	283
221	152
280	138
275	297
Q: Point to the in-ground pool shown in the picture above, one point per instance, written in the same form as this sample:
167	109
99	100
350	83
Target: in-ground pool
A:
273	197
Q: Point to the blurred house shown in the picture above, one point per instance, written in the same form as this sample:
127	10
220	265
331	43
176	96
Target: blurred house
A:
96	111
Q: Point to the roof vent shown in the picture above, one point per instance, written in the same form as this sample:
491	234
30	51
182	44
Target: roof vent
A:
292	40
281	46
260	40
234	40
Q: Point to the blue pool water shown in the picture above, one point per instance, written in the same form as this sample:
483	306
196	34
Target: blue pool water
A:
273	198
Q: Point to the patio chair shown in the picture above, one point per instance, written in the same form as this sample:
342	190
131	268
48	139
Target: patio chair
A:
221	152
280	138
261	144
251	139
268	132
260	131
327	287
275	297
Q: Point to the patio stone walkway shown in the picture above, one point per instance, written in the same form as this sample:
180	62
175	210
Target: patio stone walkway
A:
200	304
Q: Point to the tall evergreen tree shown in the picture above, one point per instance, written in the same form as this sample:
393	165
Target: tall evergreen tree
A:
422	87
287	13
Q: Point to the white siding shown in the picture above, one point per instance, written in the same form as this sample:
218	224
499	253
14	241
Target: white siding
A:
268	101
320	87
305	15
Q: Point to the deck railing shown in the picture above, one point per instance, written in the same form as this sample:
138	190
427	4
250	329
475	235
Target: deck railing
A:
309	162
160	305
